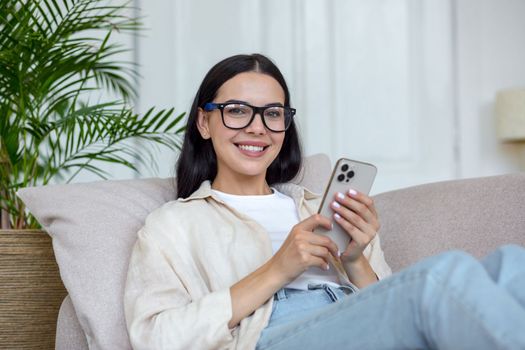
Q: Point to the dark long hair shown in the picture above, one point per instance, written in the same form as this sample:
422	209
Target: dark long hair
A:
198	162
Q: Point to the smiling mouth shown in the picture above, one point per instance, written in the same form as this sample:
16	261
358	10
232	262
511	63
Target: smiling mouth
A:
251	148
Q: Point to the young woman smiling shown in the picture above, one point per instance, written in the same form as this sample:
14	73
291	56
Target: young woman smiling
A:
233	262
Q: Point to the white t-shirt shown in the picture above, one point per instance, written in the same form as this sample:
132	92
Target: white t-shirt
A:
277	213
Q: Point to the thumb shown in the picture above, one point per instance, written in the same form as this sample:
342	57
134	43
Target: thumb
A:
314	221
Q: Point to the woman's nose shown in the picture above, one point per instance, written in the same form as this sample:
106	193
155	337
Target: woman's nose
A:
257	125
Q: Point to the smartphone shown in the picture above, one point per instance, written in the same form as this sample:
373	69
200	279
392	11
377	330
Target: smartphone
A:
347	174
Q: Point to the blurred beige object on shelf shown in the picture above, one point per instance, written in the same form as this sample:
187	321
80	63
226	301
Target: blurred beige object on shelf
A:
510	114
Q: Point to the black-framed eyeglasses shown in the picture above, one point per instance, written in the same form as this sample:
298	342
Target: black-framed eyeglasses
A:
239	115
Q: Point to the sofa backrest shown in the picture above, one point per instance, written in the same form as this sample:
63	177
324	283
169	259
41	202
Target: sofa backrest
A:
475	215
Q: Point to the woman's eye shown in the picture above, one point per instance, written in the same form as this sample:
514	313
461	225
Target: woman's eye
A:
273	113
236	110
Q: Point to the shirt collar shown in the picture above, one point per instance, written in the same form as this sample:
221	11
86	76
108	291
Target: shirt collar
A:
290	189
204	191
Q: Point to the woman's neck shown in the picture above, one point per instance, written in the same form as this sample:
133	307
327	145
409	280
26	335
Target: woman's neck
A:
250	186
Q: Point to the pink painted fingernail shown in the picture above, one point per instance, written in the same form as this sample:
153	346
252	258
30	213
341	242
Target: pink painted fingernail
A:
335	204
338	254
340	195
352	192
327	267
337	216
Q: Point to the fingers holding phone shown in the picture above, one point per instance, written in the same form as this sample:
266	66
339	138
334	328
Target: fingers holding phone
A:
303	249
355	212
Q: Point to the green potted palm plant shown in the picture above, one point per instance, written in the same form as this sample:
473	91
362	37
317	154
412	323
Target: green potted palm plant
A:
59	62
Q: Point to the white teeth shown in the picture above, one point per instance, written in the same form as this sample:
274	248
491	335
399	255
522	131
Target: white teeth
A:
251	148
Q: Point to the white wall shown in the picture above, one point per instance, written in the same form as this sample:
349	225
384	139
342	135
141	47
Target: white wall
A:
490	56
405	84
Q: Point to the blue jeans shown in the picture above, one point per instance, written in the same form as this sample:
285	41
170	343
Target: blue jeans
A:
448	301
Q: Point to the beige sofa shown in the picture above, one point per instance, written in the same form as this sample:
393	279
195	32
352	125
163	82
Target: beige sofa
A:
475	215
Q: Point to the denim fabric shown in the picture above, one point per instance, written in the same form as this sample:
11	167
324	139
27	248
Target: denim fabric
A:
449	301
293	304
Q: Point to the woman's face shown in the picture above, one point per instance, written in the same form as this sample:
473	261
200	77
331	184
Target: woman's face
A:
250	151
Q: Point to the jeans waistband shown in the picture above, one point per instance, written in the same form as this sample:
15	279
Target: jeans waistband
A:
284	293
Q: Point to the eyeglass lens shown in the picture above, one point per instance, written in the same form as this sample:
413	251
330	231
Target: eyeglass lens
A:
238	116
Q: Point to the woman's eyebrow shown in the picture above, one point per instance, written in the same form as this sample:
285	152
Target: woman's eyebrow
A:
236	101
273	104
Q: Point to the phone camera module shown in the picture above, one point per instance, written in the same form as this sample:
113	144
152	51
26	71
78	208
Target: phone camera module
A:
344	167
340	178
350	174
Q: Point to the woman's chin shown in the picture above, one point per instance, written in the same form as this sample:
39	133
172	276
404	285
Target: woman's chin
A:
253	172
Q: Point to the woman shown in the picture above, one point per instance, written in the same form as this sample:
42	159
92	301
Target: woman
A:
233	262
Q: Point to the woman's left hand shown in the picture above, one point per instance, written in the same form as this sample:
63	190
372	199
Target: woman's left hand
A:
356	214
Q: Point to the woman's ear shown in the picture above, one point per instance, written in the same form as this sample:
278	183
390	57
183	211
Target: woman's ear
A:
202	123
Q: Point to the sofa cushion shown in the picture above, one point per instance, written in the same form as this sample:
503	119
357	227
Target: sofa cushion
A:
94	226
69	334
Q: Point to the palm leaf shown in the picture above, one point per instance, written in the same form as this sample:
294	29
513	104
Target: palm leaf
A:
52	59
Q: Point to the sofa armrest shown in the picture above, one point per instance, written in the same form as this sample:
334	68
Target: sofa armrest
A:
69	333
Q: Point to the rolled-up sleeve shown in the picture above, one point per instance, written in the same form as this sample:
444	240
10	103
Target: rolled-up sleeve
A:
376	258
161	314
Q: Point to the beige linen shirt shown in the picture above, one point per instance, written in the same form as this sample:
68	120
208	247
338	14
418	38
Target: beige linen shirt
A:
187	256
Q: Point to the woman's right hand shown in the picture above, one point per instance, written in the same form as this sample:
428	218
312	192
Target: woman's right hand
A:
303	249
